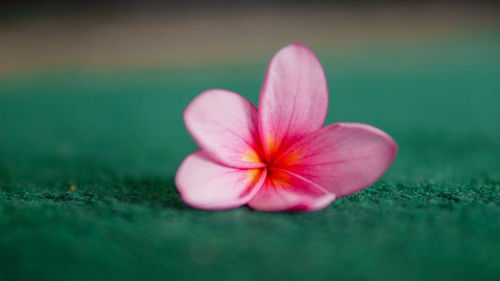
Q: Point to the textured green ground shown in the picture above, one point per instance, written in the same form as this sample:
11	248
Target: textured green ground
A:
117	135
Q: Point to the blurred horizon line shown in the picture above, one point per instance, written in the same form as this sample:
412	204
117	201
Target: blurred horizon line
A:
201	37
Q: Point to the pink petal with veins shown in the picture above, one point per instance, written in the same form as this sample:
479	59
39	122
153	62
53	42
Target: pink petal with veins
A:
293	99
206	184
278	158
224	125
342	158
285	191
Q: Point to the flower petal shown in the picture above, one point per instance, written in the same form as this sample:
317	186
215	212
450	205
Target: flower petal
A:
293	99
285	191
224	125
205	184
342	158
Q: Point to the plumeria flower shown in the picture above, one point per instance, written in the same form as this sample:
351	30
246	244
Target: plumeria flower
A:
278	157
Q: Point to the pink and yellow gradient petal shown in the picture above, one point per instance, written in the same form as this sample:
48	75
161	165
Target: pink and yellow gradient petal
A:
278	158
285	191
205	184
251	156
342	158
293	99
224	125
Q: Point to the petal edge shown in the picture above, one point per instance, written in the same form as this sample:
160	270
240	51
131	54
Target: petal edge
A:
224	125
342	158
293	99
205	184
286	191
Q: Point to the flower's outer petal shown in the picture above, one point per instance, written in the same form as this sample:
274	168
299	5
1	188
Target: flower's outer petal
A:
224	125
342	158
293	98
285	191
205	184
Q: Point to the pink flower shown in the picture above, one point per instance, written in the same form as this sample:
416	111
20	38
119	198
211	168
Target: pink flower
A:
278	157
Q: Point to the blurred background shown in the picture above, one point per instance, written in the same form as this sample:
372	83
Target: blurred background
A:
111	78
91	134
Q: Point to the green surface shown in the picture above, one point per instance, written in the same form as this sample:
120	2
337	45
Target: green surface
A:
117	135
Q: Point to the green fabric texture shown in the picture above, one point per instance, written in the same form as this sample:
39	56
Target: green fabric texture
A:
117	136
